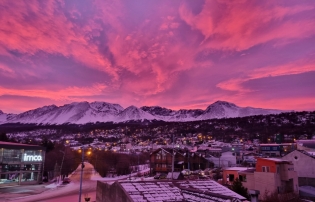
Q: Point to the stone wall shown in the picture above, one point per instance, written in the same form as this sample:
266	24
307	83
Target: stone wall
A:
114	192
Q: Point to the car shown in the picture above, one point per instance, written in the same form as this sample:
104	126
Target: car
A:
198	172
66	180
163	176
160	176
186	172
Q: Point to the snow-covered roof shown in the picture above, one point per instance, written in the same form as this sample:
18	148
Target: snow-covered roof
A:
276	160
158	191
238	168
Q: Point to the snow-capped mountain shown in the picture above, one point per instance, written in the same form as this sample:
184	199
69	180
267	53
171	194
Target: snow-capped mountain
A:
222	109
133	113
172	115
77	112
85	112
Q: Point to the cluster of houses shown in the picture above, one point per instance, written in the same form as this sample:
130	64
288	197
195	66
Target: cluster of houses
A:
280	168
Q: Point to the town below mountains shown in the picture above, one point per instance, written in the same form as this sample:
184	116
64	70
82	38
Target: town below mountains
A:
291	125
85	112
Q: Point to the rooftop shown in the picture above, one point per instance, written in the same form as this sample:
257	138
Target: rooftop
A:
275	160
14	145
238	168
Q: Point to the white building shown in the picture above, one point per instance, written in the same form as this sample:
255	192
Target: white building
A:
227	159
304	163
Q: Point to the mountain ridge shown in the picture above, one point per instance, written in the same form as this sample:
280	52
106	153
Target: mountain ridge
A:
85	112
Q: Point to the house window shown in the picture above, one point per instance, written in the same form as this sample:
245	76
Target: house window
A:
158	156
265	169
163	165
242	178
164	156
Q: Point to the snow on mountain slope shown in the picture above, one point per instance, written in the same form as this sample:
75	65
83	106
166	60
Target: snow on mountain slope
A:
222	109
31	116
186	115
85	112
106	107
3	117
133	113
77	112
172	115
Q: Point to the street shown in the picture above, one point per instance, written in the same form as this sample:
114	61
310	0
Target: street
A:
68	192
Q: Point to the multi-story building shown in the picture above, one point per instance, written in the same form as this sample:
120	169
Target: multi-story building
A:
276	150
271	175
304	165
20	163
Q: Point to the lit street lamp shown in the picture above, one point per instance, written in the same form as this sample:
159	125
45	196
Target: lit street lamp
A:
82	166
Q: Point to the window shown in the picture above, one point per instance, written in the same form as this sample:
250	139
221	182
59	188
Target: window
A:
158	156
242	178
265	169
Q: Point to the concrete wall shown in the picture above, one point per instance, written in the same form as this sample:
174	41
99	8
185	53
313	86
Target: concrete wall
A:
266	182
250	181
114	192
304	165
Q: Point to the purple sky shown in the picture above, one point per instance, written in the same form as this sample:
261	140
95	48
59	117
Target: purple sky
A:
175	54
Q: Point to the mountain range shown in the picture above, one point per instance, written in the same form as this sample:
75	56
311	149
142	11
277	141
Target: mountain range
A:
85	112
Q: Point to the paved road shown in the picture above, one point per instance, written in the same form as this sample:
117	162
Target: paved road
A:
66	193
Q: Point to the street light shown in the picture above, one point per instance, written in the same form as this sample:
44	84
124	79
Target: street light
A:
82	166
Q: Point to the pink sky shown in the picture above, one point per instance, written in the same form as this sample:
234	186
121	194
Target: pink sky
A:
175	54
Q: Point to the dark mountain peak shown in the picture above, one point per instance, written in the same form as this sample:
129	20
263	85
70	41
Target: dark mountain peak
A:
157	110
224	103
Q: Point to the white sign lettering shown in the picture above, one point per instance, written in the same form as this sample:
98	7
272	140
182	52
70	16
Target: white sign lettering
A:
32	157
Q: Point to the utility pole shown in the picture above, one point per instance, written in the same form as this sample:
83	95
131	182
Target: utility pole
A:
173	159
82	166
138	163
63	158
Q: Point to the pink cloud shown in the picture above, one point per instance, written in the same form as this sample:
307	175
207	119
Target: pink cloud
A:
239	26
169	53
296	67
47	29
61	94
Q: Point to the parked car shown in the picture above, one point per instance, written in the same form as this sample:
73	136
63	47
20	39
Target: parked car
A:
186	172
66	180
160	176
198	172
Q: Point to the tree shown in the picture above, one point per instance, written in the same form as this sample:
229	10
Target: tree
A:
48	144
238	187
4	137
